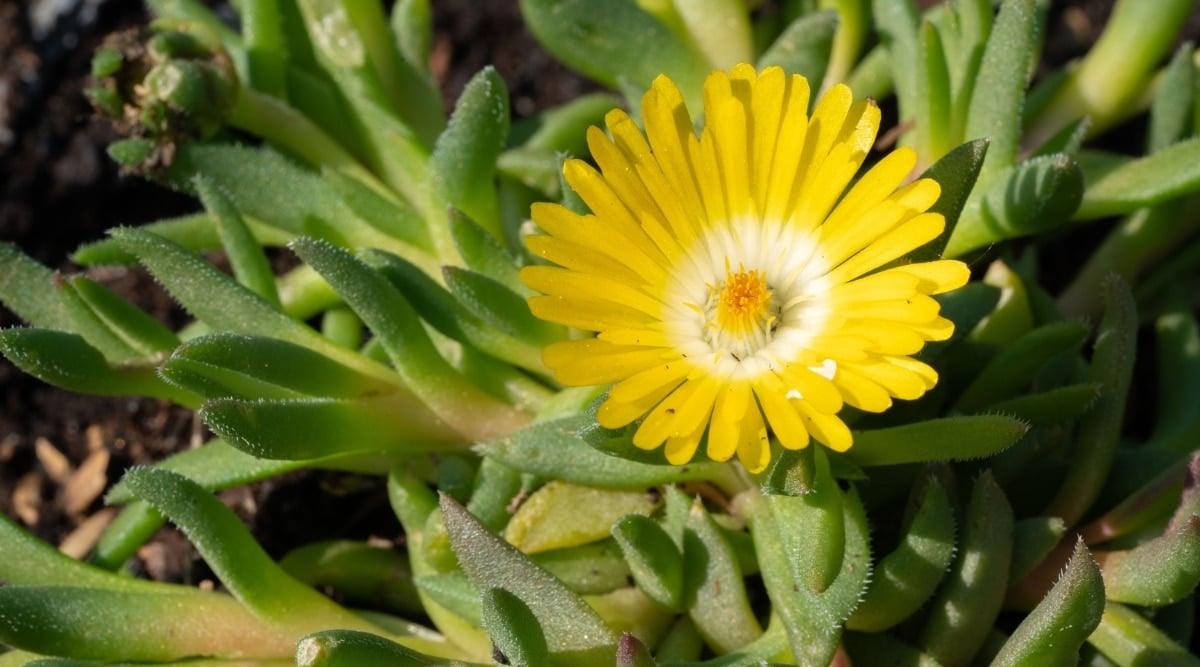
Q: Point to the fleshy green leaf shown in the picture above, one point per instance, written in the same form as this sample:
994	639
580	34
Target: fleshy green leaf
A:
956	173
443	389
1013	368
1127	638
382	210
574	633
234	555
1171	115
996	106
143	335
556	449
812	621
714	591
495	487
386	427
1056	406
622	43
804	46
1100	429
498	306
249	264
654	559
262	184
1178	353
463	163
948	438
454	592
348	648
437	306
933	108
1036	196
27	288
230	365
965	609
720	29
590	569
1034	538
210	295
908	576
213	465
513	628
483	253
563	129
364	573
898	22
66	360
880	648
1155	573
412	23
110	625
415	505
1169	173
561	515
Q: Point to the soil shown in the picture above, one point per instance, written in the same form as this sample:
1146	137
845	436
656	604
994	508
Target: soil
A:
59	450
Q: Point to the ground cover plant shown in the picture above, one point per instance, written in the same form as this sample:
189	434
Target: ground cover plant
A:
792	347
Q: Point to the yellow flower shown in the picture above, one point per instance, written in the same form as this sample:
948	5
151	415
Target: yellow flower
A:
735	286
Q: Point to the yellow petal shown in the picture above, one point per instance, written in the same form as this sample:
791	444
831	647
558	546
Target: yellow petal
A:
875	186
669	131
553	280
939	276
754	449
918	368
730	136
725	430
917	309
900	241
767	102
650	382
712	193
883	337
860	392
633	398
899	382
890	284
785	166
681	449
830	430
591	361
817	390
682	406
785	421
937	330
579	258
641	256
586	314
824	128
643	336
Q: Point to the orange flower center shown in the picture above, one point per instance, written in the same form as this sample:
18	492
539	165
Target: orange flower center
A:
744	302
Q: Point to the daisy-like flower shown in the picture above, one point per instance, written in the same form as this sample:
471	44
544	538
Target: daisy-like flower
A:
736	287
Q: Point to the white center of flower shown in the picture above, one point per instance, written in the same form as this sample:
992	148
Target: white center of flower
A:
747	298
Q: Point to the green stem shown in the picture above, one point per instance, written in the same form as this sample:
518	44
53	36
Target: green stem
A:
266	48
1136	243
269	118
1114	74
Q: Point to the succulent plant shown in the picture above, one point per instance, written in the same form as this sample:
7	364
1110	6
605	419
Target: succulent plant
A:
728	396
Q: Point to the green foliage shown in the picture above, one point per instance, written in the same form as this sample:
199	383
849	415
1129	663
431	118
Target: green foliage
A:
403	345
